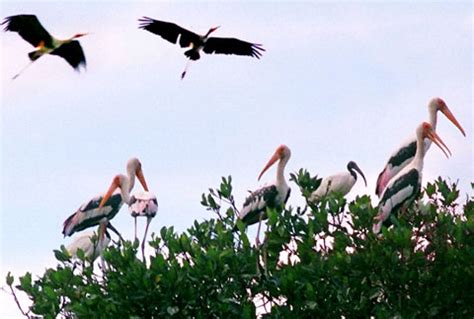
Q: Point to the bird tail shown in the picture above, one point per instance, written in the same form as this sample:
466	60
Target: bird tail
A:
35	55
68	225
192	54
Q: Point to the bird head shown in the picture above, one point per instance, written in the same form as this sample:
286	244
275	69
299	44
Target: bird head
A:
353	166
426	131
211	30
134	167
282	152
438	104
79	35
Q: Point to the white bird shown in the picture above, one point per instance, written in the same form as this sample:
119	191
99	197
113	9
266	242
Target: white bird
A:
90	244
405	153
143	204
271	196
338	183
101	209
404	187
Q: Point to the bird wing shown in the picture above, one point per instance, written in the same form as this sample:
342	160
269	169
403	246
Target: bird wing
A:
232	46
29	28
72	53
257	202
397	161
89	214
169	31
395	194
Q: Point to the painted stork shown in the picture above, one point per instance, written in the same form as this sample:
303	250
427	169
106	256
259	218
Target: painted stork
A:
404	187
143	204
339	183
405	153
90	244
271	196
101	209
31	30
197	43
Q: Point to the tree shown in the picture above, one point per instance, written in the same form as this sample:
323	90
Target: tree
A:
321	260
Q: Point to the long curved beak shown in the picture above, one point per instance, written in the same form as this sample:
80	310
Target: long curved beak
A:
272	161
361	174
141	178
451	117
115	184
439	142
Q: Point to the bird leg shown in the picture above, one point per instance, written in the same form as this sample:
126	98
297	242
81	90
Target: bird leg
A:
135	227
257	240
148	220
185	69
21	71
112	228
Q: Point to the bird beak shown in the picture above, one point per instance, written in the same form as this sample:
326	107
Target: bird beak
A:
361	174
115	184
451	117
141	178
215	28
80	35
438	141
272	161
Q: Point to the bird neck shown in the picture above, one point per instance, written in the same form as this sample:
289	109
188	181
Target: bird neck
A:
433	117
420	150
280	174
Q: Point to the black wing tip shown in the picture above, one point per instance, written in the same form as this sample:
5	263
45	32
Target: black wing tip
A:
145	22
257	50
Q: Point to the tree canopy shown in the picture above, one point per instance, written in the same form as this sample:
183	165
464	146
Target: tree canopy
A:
320	260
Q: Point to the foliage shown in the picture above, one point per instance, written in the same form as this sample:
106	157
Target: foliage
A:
321	260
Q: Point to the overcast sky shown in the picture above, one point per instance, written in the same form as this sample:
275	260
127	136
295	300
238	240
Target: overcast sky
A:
338	82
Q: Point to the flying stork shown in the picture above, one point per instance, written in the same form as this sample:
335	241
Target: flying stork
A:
143	204
101	209
338	183
197	43
405	153
271	196
31	30
404	187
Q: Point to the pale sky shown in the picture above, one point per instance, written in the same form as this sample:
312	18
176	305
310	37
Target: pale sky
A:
338	82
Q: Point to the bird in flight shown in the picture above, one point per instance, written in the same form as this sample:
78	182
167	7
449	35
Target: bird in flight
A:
197	43
31	30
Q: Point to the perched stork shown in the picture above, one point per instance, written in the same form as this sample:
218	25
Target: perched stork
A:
101	209
405	153
339	183
197	43
404	187
90	244
143	204
271	196
31	30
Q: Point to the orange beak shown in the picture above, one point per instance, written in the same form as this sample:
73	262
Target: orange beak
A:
438	141
272	161
451	117
141	178
115	184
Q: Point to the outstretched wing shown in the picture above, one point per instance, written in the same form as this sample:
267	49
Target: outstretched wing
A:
169	31
72	52
233	46
29	28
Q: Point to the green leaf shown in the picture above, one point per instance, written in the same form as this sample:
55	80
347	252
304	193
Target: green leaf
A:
9	279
